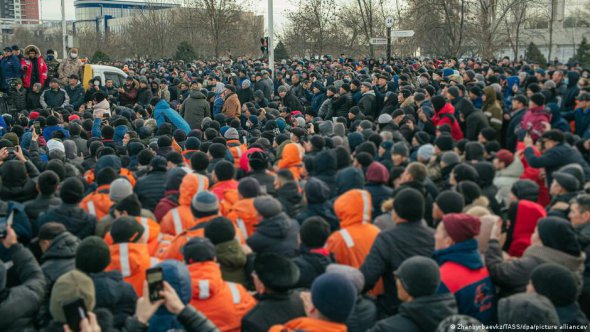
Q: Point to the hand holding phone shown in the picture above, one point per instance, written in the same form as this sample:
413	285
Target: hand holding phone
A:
155	279
75	312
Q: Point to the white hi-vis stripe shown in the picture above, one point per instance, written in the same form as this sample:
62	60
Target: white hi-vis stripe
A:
366	207
204	291
146	230
235	292
301	150
124	260
242	228
347	238
177	221
497	121
201	184
239	148
91	208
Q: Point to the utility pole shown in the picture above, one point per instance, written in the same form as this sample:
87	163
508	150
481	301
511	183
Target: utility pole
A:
388	25
271	51
64	33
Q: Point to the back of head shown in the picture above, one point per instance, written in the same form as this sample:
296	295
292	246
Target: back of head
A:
106	176
126	230
314	232
72	191
48	182
276	272
555	282
408	204
51	230
224	170
92	255
527	308
220	230
334	296
197	250
199	161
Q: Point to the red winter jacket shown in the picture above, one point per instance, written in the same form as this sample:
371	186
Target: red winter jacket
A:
446	116
27	68
167	203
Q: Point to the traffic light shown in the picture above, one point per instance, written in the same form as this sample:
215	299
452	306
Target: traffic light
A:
264	45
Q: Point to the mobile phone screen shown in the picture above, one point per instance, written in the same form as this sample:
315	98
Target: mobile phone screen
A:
155	279
75	312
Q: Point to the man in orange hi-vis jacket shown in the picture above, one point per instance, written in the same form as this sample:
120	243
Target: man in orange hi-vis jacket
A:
224	303
225	187
243	213
292	159
98	202
128	255
180	218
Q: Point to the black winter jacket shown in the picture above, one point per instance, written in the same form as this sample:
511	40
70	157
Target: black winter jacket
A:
290	198
273	309
311	265
19	304
277	234
363	316
35	207
422	314
76	220
150	189
265	179
114	294
390	249
556	157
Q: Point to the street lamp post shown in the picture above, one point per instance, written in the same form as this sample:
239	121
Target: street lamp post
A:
64	34
271	51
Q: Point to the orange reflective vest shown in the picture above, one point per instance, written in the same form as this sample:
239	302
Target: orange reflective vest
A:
227	193
180	218
236	149
89	176
151	235
352	243
224	303
98	202
309	324
132	260
292	159
243	215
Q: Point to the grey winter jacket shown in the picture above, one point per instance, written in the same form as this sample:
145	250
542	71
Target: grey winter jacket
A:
21	302
194	109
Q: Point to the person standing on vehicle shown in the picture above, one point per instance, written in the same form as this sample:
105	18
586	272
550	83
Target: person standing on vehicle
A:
70	65
33	67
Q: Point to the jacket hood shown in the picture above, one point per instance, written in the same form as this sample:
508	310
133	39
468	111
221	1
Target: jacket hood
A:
120	132
108	161
353	207
464	253
206	279
447	109
275	227
526	308
63	246
486	172
428	311
178	276
32	47
514	170
196	94
370	93
347	179
490	94
190	185
230	254
292	155
14	174
103	105
259	94
324	163
316	191
290	193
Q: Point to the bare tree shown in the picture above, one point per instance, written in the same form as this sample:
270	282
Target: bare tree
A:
513	23
314	21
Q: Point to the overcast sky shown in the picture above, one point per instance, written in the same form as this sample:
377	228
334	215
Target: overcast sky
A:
51	10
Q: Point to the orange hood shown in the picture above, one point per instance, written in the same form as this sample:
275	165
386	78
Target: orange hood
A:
292	155
353	207
191	184
206	280
309	324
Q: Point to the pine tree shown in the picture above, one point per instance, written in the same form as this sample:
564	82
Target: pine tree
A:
281	51
100	56
534	55
583	53
185	52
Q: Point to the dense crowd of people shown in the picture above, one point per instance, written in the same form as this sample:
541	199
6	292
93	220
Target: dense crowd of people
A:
331	195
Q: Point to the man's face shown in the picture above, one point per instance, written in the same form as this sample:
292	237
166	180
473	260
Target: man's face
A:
54	85
442	240
32	55
73	81
555	189
577	217
364	89
282	94
382	82
499	165
109	84
295	79
128	83
400	97
557	76
516	105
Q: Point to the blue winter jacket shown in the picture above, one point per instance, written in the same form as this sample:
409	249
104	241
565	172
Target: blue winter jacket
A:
316	101
464	275
163	113
177	275
48	132
582	119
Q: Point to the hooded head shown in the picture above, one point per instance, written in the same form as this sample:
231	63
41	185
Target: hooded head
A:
347	179
353	207
177	275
